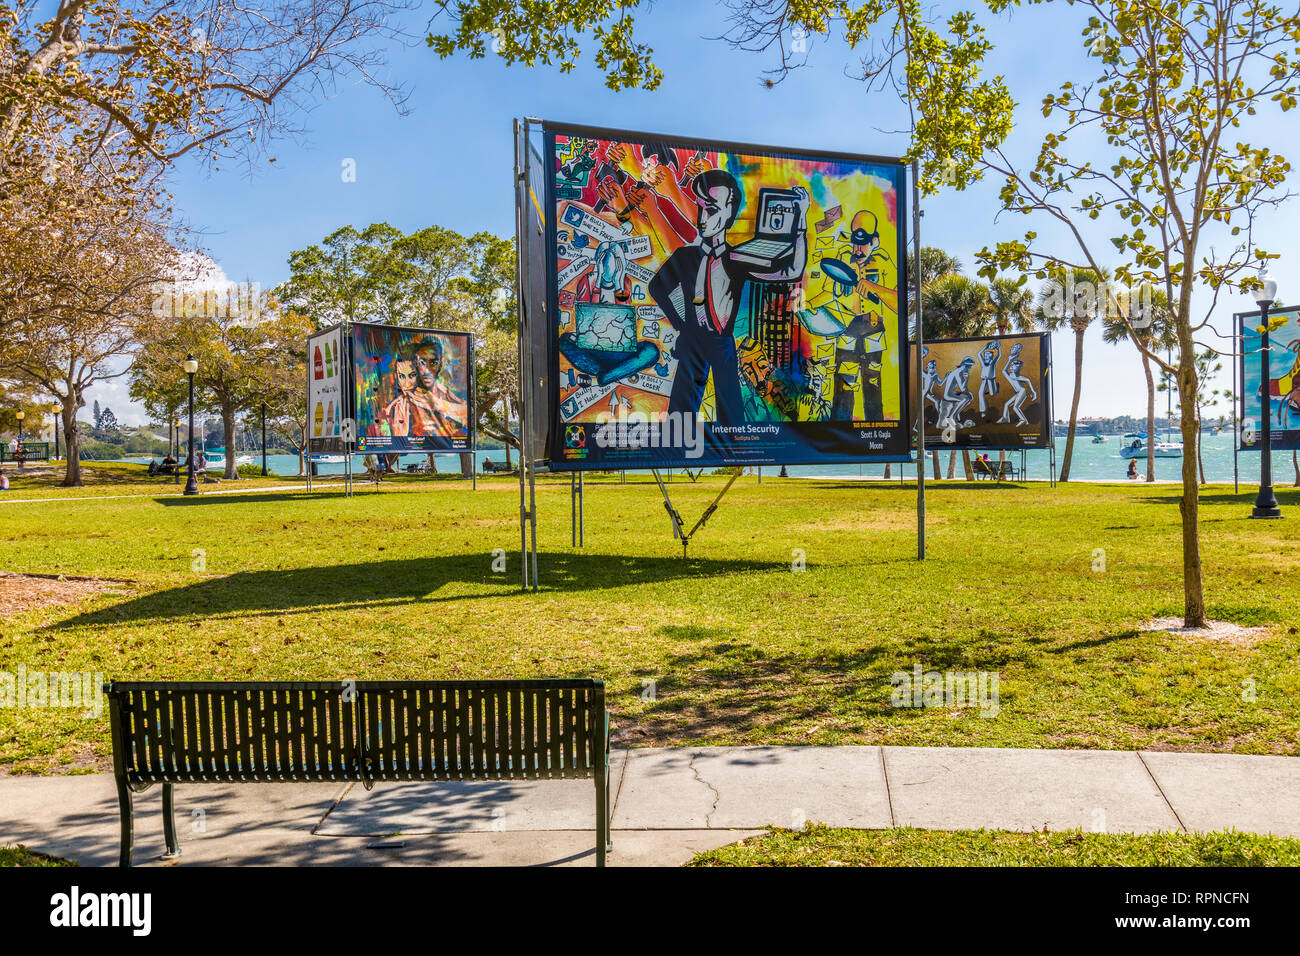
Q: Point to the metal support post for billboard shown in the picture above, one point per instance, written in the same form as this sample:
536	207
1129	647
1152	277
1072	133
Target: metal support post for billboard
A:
668	506
532	449
679	526
521	287
575	507
1236	419
920	343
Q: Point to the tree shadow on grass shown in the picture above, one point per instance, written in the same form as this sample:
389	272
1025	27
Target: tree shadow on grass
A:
734	689
1285	496
372	584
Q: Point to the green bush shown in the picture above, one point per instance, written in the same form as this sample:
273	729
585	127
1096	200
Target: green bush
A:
100	450
253	471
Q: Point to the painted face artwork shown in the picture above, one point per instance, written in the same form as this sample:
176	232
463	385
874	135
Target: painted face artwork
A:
428	367
412	388
714	212
406	377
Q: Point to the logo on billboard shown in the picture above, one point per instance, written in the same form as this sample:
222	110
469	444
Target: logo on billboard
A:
575	437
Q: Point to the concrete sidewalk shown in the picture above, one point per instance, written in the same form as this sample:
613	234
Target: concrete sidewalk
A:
668	805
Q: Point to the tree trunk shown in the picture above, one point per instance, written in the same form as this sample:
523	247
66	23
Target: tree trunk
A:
228	432
952	464
886	469
1074	405
433	464
934	457
1295	463
467	464
1151	418
966	466
72	470
1189	506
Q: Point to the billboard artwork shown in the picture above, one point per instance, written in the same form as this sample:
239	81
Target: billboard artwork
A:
1282	404
987	392
325	396
413	388
717	304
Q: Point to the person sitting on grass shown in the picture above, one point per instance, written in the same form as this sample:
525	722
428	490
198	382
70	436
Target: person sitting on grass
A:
4	481
1132	470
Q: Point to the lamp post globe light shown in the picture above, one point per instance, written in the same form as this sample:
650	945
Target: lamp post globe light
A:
191	365
1265	501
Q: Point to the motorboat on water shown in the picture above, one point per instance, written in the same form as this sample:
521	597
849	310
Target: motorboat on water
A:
217	459
1099	439
1135	446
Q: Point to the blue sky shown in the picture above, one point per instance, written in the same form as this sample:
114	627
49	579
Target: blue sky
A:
448	161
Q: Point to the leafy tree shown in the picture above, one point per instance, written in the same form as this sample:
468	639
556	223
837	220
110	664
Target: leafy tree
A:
77	266
167	78
107	429
431	278
241	354
1077	299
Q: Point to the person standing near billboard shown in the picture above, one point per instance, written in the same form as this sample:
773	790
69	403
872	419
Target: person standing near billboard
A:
699	288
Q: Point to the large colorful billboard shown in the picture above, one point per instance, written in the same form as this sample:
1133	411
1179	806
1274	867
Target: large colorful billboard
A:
413	389
326	409
990	392
1282	404
721	304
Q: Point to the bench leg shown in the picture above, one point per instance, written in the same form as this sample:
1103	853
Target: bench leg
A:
128	822
169	824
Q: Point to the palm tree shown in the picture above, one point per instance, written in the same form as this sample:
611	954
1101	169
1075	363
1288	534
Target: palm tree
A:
935	263
1151	321
1012	303
1074	297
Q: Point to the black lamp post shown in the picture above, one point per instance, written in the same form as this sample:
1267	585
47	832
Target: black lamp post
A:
22	452
264	439
1265	501
58	412
191	365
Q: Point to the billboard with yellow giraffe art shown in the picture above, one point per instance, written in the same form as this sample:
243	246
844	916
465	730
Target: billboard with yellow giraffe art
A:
721	304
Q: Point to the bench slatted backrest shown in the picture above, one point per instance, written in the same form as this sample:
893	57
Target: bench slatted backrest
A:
363	730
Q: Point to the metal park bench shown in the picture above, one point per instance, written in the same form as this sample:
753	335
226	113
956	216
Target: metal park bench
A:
355	732
993	469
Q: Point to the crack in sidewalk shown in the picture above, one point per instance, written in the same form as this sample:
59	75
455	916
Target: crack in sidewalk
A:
708	817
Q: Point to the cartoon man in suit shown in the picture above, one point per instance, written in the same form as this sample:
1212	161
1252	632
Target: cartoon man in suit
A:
699	288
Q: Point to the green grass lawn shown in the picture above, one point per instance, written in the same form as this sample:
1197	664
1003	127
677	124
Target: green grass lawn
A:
399	583
904	846
21	856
